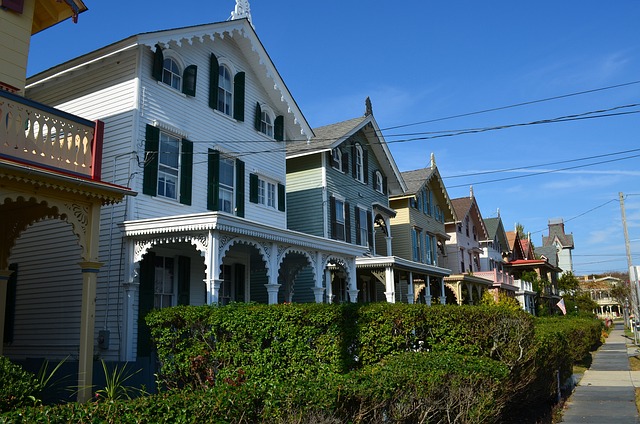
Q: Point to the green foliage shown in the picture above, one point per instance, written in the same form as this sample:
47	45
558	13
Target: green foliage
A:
568	283
347	363
17	386
115	383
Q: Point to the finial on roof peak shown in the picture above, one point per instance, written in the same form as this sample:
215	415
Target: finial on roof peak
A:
471	192
498	212
368	109
433	161
242	10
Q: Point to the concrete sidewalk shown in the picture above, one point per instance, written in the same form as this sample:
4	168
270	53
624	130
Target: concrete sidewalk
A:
606	392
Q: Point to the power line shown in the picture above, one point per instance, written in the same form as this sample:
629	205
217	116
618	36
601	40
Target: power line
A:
514	105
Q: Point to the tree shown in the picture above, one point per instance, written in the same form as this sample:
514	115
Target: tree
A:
569	284
621	293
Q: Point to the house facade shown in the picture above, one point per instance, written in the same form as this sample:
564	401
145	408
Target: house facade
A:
197	120
338	186
562	242
464	249
494	251
419	234
50	172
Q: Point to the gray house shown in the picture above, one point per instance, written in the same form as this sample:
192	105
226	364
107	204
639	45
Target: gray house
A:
338	186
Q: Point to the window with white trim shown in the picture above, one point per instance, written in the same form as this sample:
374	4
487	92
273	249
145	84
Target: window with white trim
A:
163	286
340	220
168	166
379	187
359	163
225	93
336	156
267	193
227	185
171	73
364	227
266	124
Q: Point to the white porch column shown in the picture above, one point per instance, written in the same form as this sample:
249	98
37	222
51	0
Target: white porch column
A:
272	291
389	293
353	281
443	296
410	292
212	271
4	283
427	292
87	324
318	290
328	285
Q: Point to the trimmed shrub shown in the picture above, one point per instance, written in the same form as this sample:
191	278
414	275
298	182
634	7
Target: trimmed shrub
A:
17	386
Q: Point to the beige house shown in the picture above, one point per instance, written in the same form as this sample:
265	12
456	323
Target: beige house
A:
50	169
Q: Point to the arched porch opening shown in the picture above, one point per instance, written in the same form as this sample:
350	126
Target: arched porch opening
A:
297	276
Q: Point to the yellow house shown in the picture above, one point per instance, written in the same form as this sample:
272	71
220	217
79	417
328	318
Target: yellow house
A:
50	163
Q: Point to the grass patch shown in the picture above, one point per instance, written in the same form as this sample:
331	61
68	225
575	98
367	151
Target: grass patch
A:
634	363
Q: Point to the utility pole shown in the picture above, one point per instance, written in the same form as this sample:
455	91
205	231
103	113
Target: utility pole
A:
633	279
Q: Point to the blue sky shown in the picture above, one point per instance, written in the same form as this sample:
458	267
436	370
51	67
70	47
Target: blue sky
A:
429	62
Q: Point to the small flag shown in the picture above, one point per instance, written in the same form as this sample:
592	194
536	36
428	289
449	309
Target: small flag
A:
562	307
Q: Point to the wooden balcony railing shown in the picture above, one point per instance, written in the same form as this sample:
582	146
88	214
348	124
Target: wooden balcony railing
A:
39	135
496	276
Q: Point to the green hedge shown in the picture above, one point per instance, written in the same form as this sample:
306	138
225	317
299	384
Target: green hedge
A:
407	387
196	345
17	386
344	363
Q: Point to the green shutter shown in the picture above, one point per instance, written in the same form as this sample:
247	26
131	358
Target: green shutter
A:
332	217
384	184
189	77
145	302
253	188
345	162
370	228
213	180
347	222
158	64
238	96
282	198
258	118
278	128
365	166
184	279
151	148
239	188
214	76
357	220
186	172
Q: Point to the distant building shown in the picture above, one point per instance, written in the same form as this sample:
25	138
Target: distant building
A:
600	291
562	242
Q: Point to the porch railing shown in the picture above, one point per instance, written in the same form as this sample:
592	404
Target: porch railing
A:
37	134
523	285
496	276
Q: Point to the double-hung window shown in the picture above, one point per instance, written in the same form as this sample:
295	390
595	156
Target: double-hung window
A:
416	244
363	227
163	288
359	164
266	124
266	193
379	182
340	220
168	166
336	159
226	187
225	96
171	73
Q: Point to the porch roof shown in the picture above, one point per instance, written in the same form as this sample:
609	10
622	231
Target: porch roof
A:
400	263
210	221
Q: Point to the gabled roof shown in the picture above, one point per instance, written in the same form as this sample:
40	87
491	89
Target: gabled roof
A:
496	229
548	252
514	245
240	30
556	231
417	179
331	136
463	206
